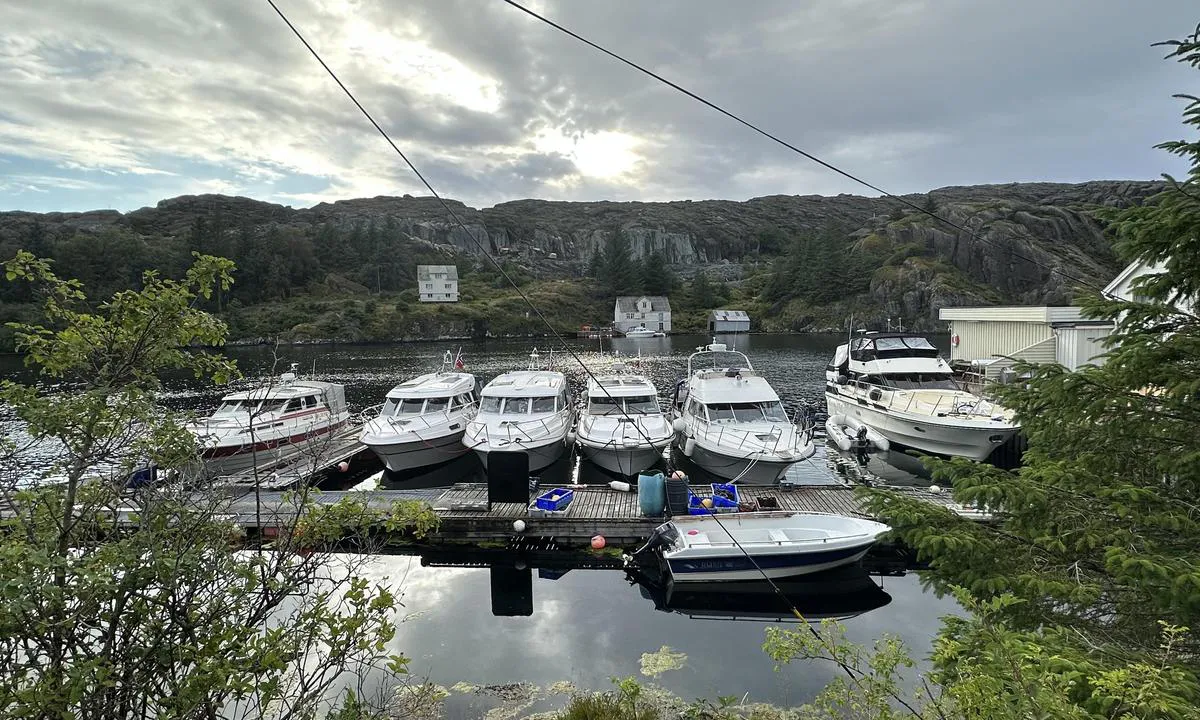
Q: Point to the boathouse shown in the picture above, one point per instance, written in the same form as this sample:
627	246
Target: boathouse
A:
728	321
438	283
995	338
653	311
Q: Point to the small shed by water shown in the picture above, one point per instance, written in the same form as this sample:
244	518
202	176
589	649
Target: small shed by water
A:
728	321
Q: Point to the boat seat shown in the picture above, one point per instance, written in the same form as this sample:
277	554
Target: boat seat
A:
778	536
700	538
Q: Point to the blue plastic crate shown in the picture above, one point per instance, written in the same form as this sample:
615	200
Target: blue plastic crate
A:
720	504
565	497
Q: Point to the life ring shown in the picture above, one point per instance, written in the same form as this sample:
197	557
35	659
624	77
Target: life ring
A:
954	340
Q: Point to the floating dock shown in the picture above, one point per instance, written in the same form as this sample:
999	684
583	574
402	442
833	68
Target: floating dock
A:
595	510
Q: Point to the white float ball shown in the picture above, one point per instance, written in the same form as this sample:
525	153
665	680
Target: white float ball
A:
935	488
519	526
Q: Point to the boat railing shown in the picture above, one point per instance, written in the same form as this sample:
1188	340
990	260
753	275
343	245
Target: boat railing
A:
726	435
917	401
523	427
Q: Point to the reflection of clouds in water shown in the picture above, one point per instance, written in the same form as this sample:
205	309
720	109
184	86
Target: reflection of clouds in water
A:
590	626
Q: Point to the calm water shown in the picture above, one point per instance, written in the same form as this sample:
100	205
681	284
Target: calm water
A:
587	626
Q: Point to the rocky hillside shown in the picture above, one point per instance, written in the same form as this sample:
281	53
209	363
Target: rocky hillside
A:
915	266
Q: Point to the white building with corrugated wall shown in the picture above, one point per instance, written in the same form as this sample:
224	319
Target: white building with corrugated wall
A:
651	311
438	283
728	321
994	338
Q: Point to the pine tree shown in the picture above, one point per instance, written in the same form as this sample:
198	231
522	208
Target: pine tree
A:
1098	539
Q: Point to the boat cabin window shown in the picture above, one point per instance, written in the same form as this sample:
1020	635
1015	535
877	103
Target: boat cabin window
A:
461	401
879	348
410	406
490	405
309	401
274	406
747	412
696	409
543	404
915	381
642	404
516	406
604	406
437	404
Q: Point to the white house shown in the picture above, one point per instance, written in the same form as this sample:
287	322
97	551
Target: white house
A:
1121	287
438	283
653	311
993	338
728	321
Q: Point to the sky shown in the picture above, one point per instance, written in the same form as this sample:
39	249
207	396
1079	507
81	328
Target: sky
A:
121	104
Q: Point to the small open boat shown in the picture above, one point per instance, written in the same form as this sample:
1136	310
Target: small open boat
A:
747	546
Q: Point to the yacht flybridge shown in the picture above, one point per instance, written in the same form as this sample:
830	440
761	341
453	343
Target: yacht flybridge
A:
284	419
897	384
423	421
523	411
623	429
730	422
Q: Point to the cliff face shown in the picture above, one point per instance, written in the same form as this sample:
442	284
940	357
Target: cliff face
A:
922	264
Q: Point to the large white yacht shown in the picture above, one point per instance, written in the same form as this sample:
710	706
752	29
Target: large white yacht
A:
623	429
523	411
730	422
423	421
268	424
898	384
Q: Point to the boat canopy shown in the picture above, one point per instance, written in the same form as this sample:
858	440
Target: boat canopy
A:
891	345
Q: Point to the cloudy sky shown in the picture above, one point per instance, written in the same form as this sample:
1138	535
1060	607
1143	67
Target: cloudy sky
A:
119	104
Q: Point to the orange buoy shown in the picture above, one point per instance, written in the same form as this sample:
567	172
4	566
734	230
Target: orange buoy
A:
343	466
598	542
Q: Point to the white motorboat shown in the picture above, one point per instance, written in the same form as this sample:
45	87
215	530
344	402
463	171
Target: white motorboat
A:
623	429
423	421
746	546
898	385
642	331
284	419
523	411
730	422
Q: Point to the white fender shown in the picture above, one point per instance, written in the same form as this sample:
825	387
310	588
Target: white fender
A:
689	447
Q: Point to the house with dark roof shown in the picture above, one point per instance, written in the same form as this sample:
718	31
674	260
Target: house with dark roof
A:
653	311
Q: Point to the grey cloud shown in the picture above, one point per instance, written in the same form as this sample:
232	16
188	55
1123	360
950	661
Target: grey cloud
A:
911	94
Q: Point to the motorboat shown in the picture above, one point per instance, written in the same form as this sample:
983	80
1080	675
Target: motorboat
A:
283	419
623	429
523	411
423	420
642	331
898	385
730	422
749	546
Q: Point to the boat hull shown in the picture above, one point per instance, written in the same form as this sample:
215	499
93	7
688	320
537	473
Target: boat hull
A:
745	470
540	456
226	460
737	567
924	433
403	456
622	461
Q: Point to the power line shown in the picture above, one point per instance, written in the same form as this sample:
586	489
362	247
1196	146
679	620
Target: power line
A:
793	148
450	211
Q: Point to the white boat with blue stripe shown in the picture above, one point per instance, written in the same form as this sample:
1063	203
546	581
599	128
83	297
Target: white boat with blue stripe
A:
747	546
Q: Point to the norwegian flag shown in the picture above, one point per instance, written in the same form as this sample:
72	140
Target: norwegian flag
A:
458	361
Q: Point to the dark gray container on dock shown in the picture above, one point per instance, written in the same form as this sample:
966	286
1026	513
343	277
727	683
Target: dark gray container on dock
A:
677	496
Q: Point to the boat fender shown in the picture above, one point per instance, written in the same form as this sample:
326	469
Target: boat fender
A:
570	439
689	447
620	485
679	425
519	526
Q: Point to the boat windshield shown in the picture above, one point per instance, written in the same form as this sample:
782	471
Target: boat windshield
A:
747	412
490	405
921	381
231	407
436	404
515	405
543	404
642	404
638	404
604	406
402	406
273	406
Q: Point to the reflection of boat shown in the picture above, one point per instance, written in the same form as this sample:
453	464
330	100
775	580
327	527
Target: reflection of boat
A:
747	546
525	411
897	384
623	430
730	422
841	593
464	468
423	420
278	422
